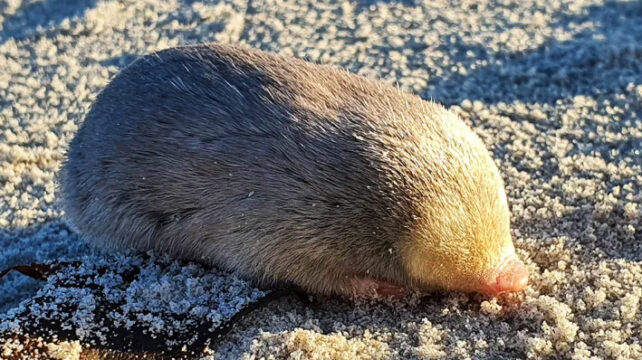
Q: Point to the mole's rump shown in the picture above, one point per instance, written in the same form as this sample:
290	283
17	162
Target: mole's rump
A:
286	171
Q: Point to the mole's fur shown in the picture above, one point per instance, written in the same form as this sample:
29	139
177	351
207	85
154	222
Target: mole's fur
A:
288	172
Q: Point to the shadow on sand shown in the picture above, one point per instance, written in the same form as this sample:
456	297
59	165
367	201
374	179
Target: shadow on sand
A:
592	63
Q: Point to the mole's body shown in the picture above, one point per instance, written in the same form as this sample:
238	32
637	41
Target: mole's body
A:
285	171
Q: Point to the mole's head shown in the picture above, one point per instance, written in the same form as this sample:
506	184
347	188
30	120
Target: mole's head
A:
460	238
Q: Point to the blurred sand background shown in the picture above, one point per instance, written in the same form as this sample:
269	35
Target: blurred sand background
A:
554	88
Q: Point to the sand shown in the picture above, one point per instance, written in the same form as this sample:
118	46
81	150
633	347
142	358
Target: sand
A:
553	88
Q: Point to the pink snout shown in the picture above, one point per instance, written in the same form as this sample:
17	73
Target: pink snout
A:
510	276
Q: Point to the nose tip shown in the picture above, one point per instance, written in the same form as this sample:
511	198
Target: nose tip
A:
511	276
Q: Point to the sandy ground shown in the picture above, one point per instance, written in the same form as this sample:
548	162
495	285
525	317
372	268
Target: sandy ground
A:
554	89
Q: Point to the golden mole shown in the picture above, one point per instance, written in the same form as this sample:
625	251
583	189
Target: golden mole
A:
289	172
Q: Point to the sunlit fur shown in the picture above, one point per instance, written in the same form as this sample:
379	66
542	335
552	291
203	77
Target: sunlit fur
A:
462	231
284	171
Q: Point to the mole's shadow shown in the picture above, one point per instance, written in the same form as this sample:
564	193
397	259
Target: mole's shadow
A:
46	14
592	63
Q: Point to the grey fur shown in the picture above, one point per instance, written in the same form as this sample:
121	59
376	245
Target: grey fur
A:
281	170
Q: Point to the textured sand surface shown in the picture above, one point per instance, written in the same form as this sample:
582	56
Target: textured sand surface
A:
554	89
